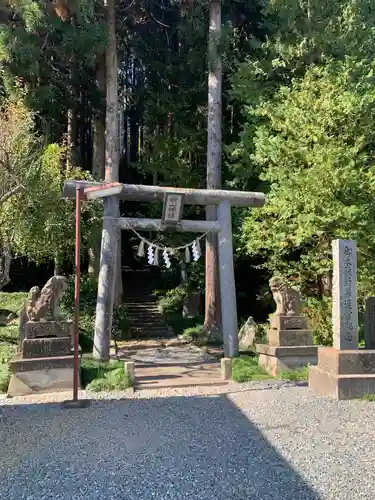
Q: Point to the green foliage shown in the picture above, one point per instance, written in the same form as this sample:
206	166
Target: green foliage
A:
46	59
7	351
12	301
295	375
369	397
88	295
173	300
319	312
121	322
4	377
193	331
170	304
92	369
37	222
9	336
8	348
196	334
307	95
246	368
98	376
327	193
263	329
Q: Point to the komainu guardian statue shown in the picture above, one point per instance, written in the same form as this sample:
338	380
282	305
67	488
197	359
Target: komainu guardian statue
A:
43	305
288	301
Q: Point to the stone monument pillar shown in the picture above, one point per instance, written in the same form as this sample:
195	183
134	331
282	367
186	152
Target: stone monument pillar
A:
344	371
45	361
290	342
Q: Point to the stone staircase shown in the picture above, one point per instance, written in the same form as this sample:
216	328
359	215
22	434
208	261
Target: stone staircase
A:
146	321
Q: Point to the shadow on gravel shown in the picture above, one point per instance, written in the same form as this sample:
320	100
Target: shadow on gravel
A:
186	448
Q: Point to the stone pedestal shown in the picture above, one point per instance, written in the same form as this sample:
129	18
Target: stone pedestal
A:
37	329
287	349
45	363
343	374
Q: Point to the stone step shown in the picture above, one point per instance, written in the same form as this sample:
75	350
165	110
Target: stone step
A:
143	309
164	332
147	321
141	298
148	327
146	317
144	314
142	305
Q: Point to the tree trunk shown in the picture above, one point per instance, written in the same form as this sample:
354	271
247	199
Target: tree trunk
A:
112	143
71	137
5	261
212	300
58	263
98	159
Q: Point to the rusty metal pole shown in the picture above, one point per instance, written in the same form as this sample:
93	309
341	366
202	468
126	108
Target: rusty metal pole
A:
75	402
76	293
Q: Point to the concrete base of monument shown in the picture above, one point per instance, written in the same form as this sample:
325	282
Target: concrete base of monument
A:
276	359
348	374
41	375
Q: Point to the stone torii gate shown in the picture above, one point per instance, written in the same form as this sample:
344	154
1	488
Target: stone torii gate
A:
111	193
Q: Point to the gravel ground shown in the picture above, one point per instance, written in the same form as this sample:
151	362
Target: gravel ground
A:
260	441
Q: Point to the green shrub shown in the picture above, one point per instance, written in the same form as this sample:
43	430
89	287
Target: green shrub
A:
114	380
319	312
87	295
12	301
86	331
263	329
120	323
196	334
173	300
7	351
369	397
92	369
295	375
87	306
98	385
245	368
4	377
9	334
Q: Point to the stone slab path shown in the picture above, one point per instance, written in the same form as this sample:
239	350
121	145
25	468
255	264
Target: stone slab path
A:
164	366
255	441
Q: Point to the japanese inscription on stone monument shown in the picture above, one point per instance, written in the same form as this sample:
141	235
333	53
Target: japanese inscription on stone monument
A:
344	295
